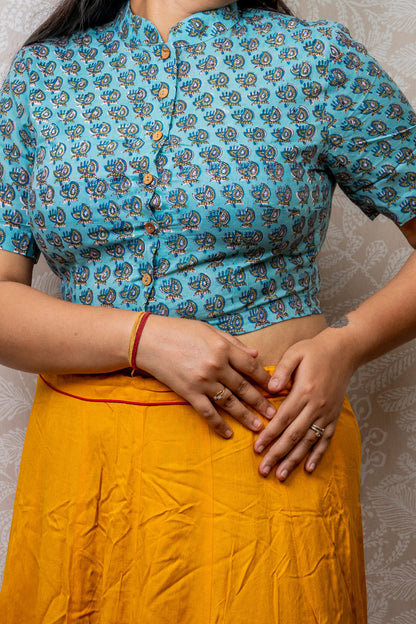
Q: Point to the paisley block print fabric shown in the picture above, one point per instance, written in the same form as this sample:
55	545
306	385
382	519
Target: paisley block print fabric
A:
195	177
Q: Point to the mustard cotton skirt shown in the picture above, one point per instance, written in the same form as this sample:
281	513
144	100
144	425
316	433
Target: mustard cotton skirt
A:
129	510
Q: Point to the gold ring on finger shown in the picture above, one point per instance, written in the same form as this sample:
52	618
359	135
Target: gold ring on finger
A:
317	430
219	395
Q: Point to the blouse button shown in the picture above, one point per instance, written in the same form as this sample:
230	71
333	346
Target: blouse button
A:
147	178
156	136
163	92
146	279
150	228
165	54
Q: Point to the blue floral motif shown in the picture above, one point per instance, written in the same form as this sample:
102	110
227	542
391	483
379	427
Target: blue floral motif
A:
194	177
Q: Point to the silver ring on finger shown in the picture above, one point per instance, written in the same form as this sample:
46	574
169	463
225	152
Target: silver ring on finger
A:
318	431
220	394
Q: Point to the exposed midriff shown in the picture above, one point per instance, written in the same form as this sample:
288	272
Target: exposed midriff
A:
272	342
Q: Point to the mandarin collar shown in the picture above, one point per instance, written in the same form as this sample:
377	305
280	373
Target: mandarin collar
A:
137	30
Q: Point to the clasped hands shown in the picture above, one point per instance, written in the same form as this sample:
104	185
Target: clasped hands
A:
212	369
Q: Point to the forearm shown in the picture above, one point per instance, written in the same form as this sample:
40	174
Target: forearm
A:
382	322
39	333
321	367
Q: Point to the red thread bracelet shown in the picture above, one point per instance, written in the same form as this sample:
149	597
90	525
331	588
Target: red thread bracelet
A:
137	340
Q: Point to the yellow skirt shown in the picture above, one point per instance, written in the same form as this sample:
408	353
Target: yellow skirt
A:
129	510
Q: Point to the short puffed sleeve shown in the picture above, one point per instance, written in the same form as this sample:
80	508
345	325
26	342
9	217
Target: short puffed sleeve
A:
370	136
17	153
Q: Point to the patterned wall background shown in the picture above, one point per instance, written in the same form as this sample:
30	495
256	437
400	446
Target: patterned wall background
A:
358	258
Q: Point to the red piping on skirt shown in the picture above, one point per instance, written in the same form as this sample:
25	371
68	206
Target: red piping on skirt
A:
152	404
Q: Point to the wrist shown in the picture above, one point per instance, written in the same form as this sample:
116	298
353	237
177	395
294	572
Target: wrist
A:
150	342
349	344
135	336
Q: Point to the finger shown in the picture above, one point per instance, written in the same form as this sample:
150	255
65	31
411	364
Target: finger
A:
294	436
229	403
289	409
289	461
284	370
298	431
319	449
249	366
298	454
251	396
206	409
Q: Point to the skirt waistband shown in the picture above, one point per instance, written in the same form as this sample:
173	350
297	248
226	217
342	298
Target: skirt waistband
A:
119	387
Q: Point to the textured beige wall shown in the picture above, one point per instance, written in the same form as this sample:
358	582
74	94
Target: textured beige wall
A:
358	258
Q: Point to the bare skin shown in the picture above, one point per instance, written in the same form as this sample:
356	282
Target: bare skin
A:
319	361
39	333
272	342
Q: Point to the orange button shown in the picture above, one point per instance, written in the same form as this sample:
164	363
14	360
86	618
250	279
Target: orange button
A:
165	54
156	136
147	178
147	279
163	92
150	228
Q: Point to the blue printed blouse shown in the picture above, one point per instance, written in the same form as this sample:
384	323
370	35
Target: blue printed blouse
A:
194	177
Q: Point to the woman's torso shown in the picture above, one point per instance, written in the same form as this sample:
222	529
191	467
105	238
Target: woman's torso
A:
194	177
184	177
272	342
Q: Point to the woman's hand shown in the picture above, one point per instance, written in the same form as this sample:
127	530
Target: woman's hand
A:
199	362
320	369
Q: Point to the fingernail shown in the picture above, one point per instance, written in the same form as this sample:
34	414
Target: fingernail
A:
259	449
228	433
258	423
283	474
311	467
265	470
274	384
270	412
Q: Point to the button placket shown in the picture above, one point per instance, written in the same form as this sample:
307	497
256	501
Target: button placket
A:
154	201
151	228
148	178
163	91
150	295
159	134
156	136
147	279
165	53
